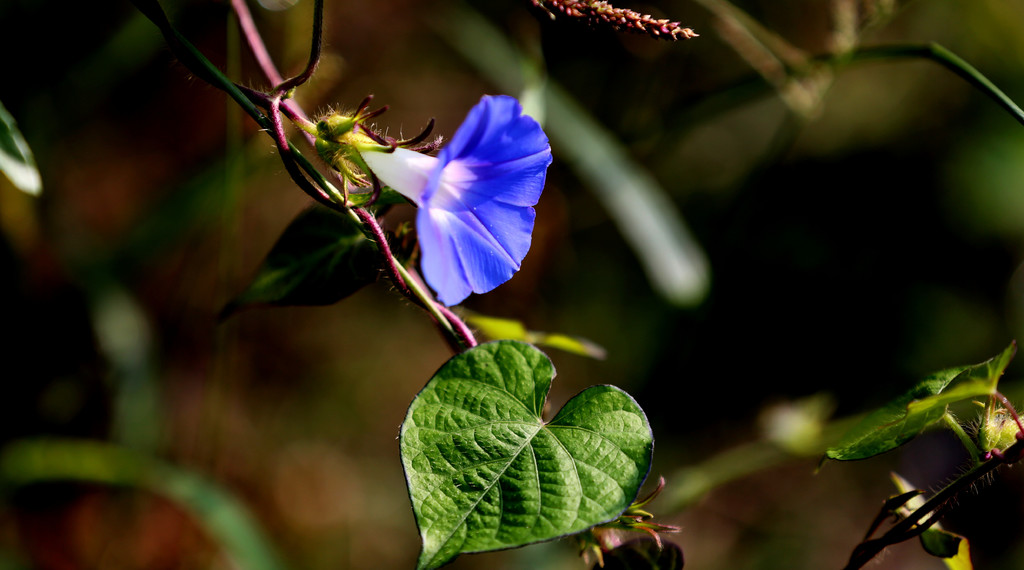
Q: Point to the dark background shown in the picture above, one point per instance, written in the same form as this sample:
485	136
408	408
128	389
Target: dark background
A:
855	246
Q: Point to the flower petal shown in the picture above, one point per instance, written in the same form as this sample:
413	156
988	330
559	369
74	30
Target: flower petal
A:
495	130
477	217
405	171
475	199
497	143
463	253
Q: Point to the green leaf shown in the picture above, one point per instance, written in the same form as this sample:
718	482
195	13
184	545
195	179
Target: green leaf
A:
485	472
321	258
224	519
891	425
947	545
511	329
16	157
904	418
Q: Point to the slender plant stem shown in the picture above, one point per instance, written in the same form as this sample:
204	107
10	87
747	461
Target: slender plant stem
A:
314	51
288	107
277	126
950	61
459	325
289	156
965	439
259	49
890	505
370	221
456	331
195	61
426	300
255	41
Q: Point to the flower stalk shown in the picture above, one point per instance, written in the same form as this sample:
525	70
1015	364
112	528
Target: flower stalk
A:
600	13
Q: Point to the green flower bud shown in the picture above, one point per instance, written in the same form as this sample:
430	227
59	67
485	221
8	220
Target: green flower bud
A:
341	157
998	429
335	127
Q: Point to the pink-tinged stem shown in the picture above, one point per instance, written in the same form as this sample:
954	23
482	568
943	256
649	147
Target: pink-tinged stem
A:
378	234
277	104
314	51
266	63
458	324
255	41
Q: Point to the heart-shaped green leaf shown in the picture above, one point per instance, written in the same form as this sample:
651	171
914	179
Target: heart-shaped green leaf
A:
904	418
321	258
485	472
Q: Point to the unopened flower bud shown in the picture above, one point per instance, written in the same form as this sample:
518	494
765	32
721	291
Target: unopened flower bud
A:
998	429
335	127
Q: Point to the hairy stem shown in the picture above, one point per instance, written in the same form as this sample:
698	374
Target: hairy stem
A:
424	299
929	513
195	61
459	325
456	332
259	49
370	222
965	439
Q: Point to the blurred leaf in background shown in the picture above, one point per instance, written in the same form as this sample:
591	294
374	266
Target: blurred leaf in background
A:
16	157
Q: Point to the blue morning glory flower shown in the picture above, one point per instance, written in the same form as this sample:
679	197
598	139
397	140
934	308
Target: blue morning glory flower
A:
475	197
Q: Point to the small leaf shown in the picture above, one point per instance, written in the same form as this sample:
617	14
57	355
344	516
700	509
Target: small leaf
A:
485	472
941	543
321	258
644	554
891	426
16	157
954	549
511	329
904	418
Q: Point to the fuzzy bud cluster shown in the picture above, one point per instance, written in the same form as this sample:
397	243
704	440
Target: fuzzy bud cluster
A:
998	429
340	138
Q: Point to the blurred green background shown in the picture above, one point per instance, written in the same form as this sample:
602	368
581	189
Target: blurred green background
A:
862	226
